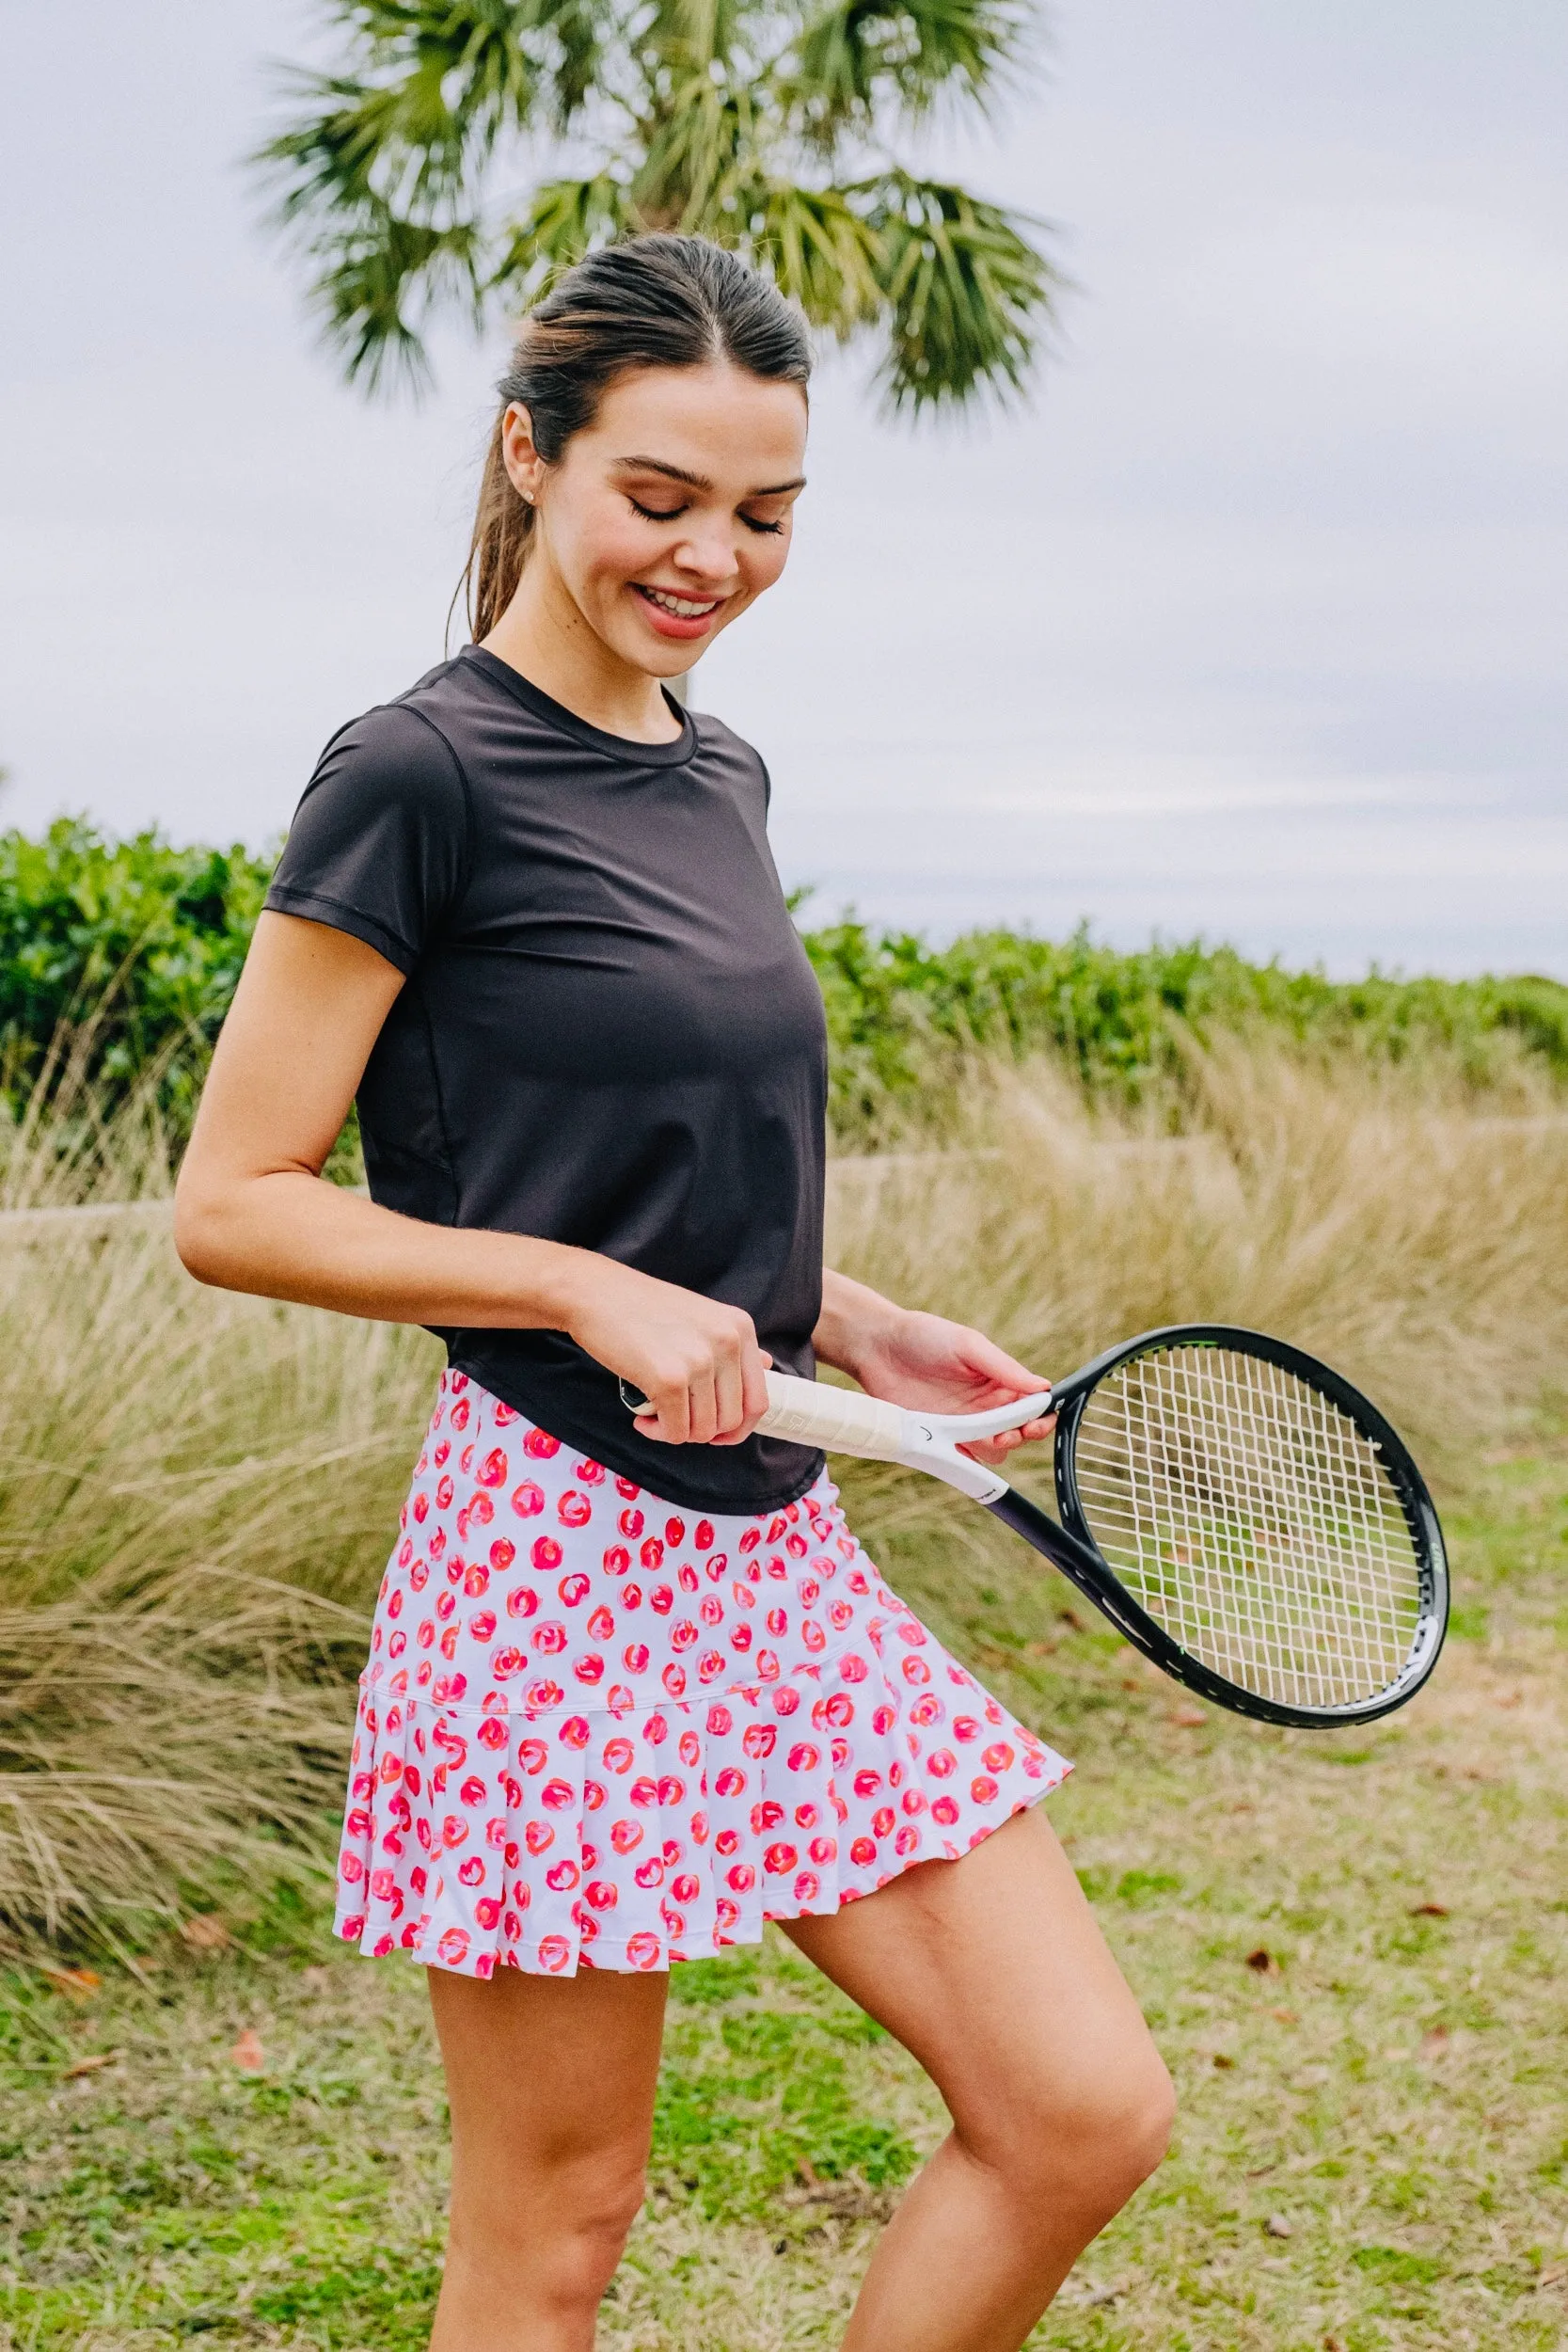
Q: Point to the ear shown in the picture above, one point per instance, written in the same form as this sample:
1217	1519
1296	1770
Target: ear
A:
524	468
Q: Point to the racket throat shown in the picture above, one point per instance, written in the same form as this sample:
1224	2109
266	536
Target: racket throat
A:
1066	1551
974	1479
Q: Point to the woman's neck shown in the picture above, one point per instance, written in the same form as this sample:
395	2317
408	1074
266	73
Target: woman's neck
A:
543	635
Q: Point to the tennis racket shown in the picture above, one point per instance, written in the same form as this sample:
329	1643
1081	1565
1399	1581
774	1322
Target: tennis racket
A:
1240	1513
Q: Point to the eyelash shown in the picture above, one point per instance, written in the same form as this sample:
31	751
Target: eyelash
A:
654	514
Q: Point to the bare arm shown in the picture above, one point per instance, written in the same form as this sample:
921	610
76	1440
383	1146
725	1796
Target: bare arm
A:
253	1213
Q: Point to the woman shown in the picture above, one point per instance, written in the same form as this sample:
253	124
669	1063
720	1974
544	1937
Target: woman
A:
633	1687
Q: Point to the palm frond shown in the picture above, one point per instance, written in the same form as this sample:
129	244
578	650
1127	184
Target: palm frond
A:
565	219
357	144
377	271
431	89
697	158
576	59
437	83
820	253
701	32
855	57
489	56
966	292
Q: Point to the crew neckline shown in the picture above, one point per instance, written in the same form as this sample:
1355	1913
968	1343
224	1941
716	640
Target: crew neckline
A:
624	749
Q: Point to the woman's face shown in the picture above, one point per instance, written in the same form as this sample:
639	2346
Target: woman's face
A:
671	513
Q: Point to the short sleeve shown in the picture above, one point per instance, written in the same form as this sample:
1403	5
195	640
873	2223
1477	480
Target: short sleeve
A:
379	844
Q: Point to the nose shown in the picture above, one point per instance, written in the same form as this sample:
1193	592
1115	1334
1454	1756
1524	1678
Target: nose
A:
707	554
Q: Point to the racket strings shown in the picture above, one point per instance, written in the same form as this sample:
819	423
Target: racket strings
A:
1253	1521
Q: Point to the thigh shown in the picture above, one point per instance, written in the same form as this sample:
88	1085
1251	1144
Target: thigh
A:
545	2071
992	1972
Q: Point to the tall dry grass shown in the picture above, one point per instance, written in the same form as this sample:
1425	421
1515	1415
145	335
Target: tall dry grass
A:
1395	1223
196	1494
1412	1234
198	1491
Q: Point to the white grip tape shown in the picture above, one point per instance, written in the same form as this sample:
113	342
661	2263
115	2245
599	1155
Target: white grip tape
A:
841	1421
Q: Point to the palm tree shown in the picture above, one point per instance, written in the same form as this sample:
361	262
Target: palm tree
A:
759	124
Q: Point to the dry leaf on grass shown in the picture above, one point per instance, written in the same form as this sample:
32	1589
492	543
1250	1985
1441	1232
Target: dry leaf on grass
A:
205	1932
1262	1962
82	1983
247	2053
1429	1911
88	2065
1277	2226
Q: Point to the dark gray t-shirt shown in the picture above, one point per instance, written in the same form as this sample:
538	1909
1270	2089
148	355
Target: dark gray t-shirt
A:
609	1033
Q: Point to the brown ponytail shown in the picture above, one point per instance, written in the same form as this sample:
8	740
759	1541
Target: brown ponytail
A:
653	302
503	525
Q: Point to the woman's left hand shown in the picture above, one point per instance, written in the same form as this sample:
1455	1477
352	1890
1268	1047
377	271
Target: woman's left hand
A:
922	1360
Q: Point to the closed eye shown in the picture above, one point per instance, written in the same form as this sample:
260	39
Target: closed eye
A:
656	514
752	524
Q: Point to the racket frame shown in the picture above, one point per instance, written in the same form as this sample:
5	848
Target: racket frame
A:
1071	1547
930	1442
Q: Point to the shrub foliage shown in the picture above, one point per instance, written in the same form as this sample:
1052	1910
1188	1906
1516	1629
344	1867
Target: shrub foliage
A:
146	940
1118	1018
136	940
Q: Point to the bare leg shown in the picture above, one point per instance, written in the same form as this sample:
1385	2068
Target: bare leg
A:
551	2085
992	1972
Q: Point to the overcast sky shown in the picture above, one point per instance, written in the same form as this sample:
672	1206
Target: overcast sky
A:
1252	624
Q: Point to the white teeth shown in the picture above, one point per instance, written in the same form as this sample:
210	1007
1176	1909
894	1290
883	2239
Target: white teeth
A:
681	606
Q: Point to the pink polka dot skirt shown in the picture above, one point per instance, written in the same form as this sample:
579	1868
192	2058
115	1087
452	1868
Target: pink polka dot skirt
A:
596	1732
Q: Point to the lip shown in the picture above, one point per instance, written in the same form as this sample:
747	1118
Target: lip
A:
676	625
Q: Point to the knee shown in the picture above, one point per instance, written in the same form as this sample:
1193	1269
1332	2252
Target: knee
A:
602	2209
1135	2132
559	2231
1119	2137
1094	2149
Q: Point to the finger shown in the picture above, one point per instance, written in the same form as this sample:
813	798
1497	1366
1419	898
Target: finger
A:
754	1399
993	1451
729	1392
997	1364
1030	1434
701	1410
756	1365
674	1409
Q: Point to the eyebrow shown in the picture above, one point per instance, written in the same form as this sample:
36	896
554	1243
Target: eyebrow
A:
700	481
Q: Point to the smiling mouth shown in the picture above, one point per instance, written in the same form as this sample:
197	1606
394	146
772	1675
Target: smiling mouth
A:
684	607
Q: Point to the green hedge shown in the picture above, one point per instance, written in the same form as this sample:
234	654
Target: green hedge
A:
1117	1018
133	945
146	940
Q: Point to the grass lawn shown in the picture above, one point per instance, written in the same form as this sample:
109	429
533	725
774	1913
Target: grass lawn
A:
1351	1948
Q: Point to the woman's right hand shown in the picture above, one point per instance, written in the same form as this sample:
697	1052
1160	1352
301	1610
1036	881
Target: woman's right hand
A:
696	1360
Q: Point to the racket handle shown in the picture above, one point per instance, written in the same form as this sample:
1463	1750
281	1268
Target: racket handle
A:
841	1421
